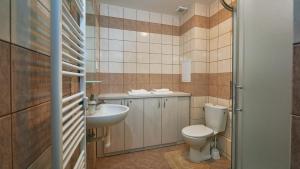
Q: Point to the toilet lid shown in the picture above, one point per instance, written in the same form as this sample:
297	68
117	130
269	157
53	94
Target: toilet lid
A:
197	131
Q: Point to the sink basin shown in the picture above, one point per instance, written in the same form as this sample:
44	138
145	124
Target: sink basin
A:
106	115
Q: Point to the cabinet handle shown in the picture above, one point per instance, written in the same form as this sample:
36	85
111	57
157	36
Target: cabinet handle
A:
127	103
158	103
165	103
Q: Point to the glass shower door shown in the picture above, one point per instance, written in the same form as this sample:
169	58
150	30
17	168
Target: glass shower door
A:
263	84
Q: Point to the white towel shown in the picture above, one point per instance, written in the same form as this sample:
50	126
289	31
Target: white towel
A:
161	90
162	93
139	92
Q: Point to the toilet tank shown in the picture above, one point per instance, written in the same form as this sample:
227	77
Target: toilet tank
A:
216	117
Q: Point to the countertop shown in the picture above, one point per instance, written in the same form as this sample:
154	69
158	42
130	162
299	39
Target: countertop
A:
127	96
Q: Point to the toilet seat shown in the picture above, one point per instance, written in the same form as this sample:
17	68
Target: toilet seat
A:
197	131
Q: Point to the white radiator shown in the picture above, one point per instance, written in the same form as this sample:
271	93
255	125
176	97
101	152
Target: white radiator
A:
68	61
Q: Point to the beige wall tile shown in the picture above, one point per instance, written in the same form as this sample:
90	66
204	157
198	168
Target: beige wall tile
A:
30	25
143	68
130	57
5	86
31	124
130	68
5	15
5	146
35	78
115	11
155	68
130	13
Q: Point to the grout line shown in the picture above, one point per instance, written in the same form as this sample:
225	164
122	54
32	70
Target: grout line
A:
10	53
33	106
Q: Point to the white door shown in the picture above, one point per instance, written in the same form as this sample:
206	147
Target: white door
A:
134	124
116	134
169	119
265	72
152	121
183	115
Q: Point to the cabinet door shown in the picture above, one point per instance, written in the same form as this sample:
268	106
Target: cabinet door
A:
183	115
117	133
134	124
169	120
152	121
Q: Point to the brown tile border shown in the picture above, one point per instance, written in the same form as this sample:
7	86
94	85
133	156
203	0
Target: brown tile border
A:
116	23
134	25
167	30
295	149
194	21
5	75
155	28
219	85
103	21
31	124
203	84
296	80
30	78
221	16
142	26
116	82
5	146
90	20
131	25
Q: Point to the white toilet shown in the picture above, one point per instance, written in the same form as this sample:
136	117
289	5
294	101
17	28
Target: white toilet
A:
198	136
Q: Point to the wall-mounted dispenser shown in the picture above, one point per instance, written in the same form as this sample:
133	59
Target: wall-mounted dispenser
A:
186	70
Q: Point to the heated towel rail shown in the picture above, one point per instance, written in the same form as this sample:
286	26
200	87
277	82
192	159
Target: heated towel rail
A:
68	84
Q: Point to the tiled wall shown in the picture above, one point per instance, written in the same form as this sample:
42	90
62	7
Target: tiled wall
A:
132	49
296	110
206	41
220	66
135	49
194	46
25	130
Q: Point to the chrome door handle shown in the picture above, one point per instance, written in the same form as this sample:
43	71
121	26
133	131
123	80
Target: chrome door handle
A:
238	109
239	86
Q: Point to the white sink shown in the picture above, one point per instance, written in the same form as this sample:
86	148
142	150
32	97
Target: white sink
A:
106	115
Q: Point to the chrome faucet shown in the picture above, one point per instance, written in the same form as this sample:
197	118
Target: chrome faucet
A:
94	103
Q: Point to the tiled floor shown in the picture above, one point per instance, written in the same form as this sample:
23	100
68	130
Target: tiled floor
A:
163	158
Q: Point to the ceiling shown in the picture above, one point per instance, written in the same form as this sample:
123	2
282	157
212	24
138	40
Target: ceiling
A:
161	6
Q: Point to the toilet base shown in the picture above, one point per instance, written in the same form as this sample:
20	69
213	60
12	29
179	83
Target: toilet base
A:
198	155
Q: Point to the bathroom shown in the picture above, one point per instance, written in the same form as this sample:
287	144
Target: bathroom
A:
192	84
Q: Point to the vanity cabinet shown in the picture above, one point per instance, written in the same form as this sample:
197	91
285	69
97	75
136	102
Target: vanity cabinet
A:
117	133
134	124
183	115
169	119
152	121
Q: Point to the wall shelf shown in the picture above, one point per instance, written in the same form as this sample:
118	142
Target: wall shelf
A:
93	81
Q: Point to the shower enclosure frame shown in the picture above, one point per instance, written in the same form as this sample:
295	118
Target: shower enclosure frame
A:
236	86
